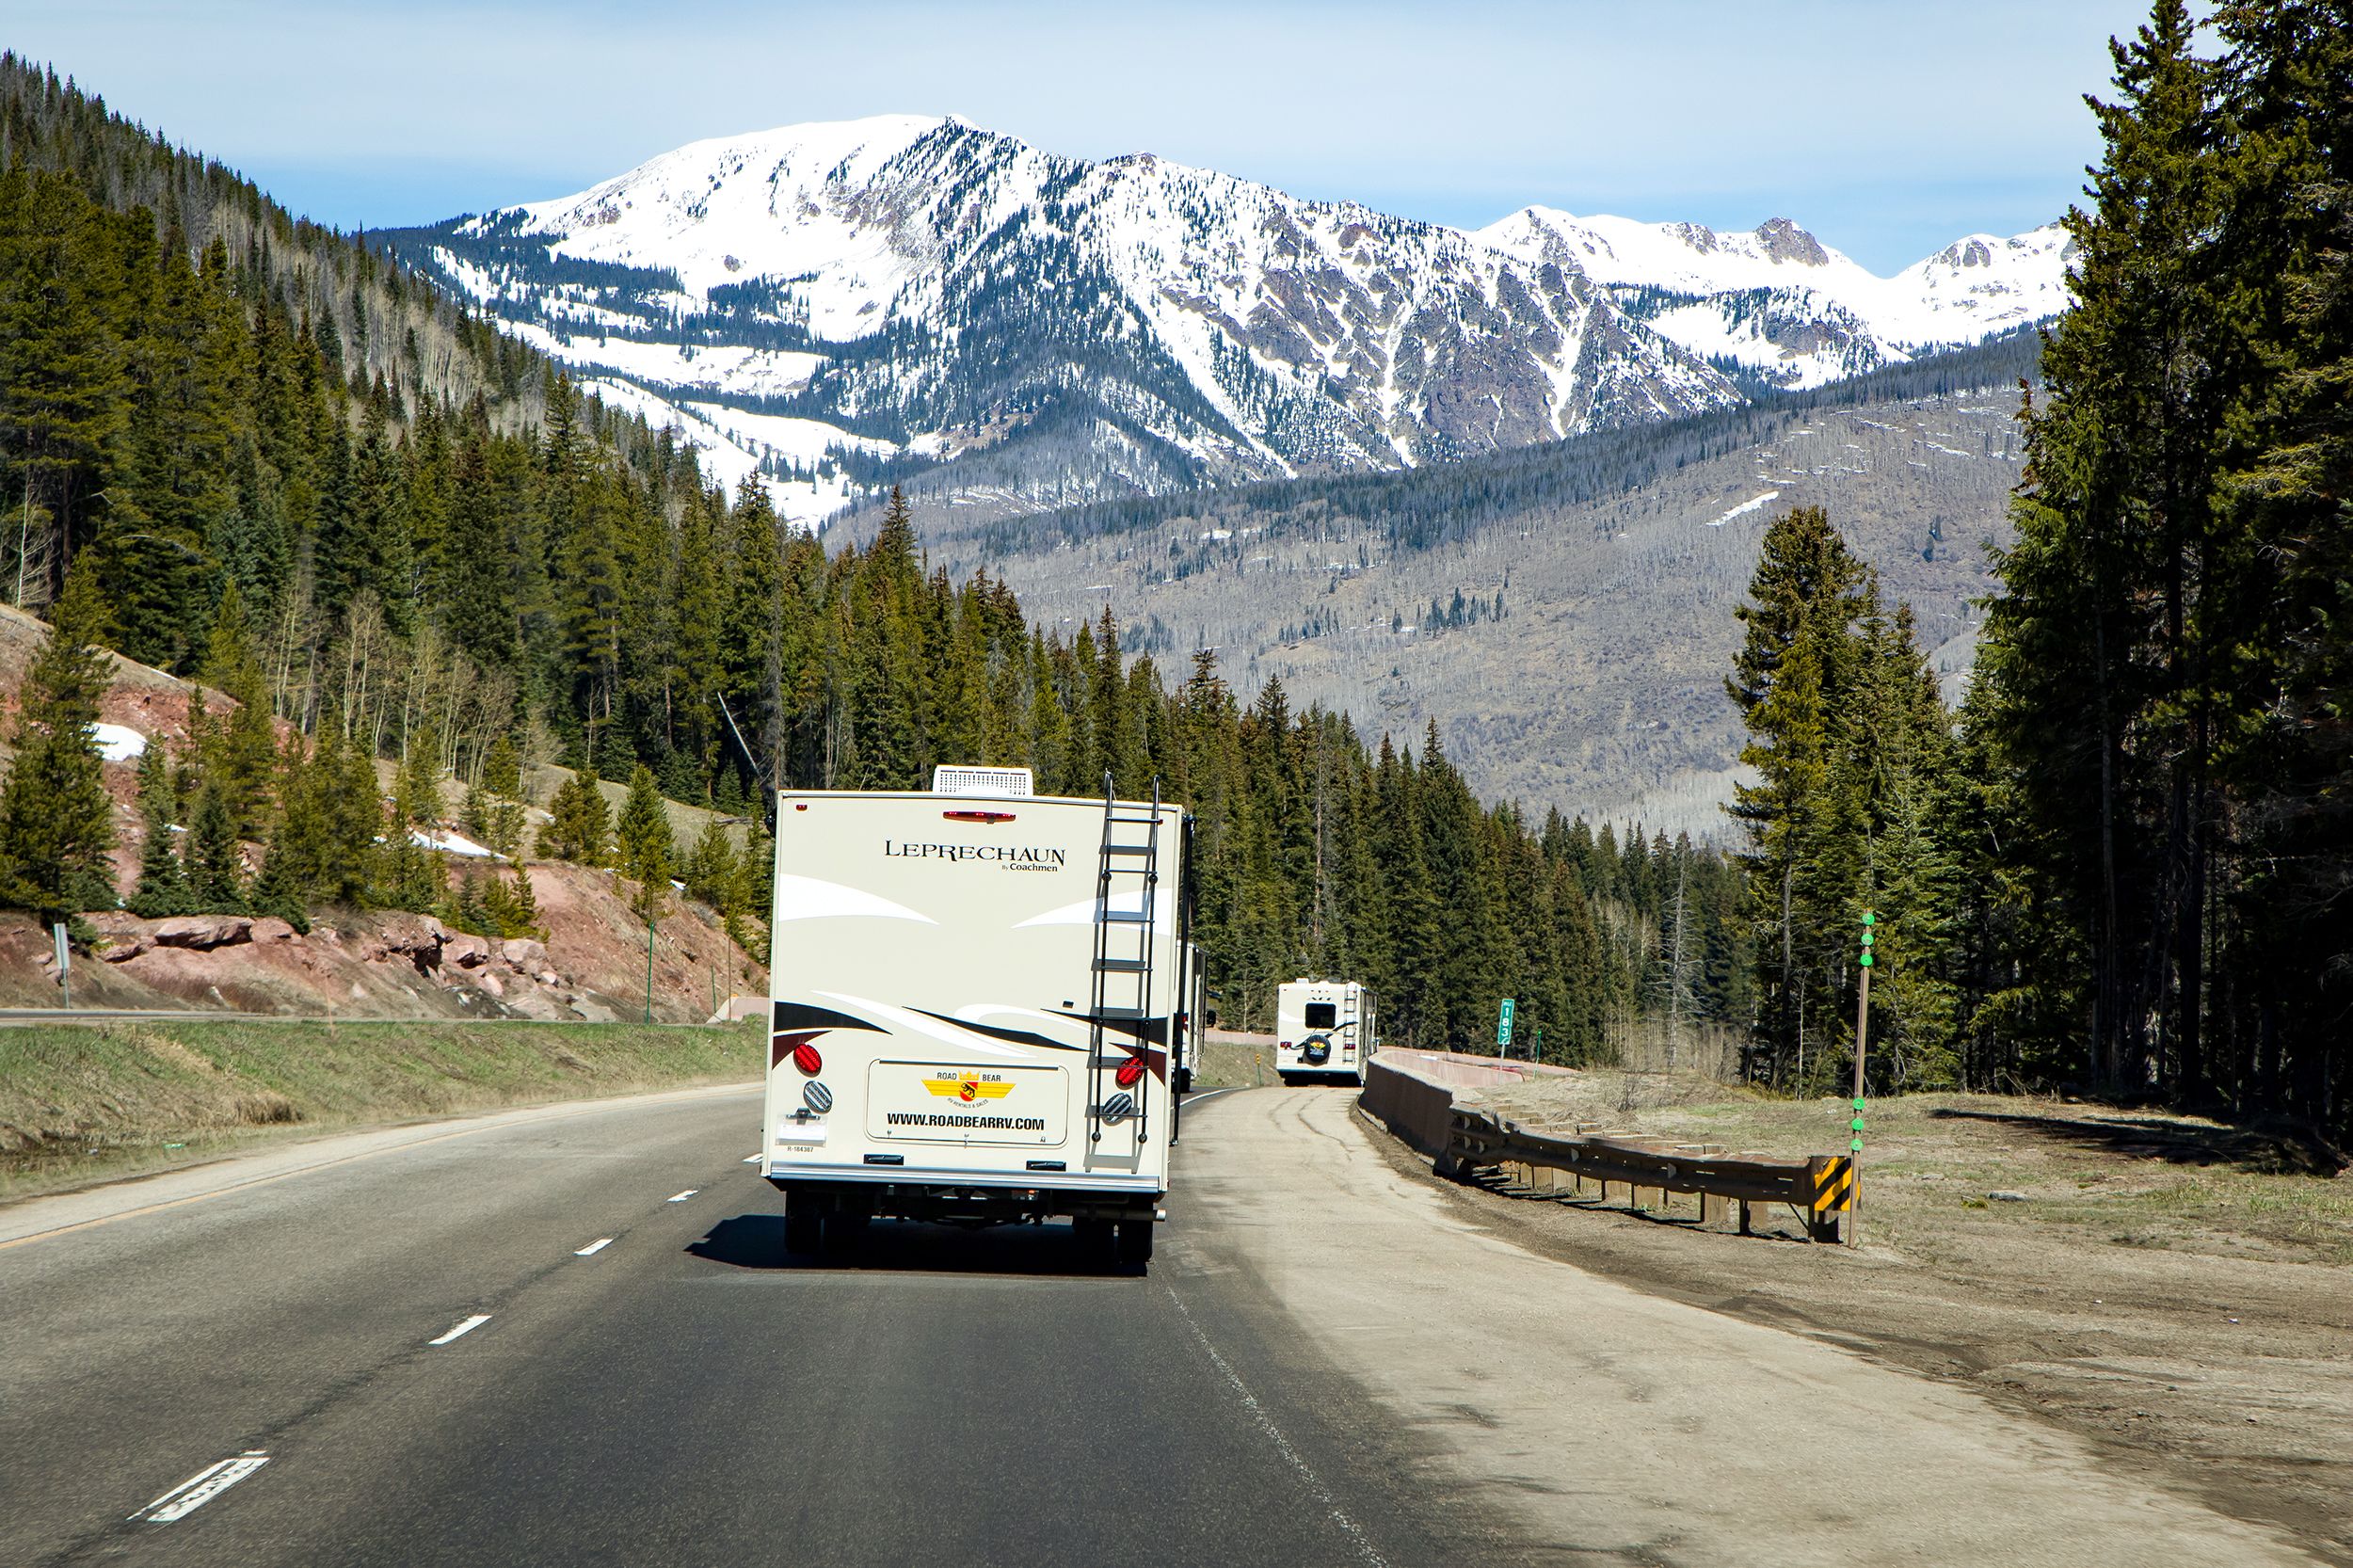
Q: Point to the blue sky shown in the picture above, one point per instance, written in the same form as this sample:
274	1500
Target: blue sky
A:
1889	127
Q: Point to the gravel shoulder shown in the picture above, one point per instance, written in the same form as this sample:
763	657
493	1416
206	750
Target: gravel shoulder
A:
2176	1292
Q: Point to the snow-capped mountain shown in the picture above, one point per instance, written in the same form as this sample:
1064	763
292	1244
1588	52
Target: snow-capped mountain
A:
1787	310
837	305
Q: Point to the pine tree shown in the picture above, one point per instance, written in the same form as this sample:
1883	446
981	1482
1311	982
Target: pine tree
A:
469	913
1791	674
64	367
217	881
524	905
2094	655
579	826
712	873
163	887
642	841
499	917
55	818
501	810
294	862
408	874
243	752
419	789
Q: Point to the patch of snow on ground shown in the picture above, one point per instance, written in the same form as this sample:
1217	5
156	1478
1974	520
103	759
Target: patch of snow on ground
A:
451	843
119	742
1746	506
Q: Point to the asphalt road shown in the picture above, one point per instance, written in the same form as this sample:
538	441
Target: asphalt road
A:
639	1375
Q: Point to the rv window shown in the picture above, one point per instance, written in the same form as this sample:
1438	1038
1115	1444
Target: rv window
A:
1322	1015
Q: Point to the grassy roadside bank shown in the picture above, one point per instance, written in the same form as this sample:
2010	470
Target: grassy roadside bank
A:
1233	1066
82	1103
1942	1170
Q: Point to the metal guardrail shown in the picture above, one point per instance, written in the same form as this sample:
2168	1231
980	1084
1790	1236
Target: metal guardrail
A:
1819	1188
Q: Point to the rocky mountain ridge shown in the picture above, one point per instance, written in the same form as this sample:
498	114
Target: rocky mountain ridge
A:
1777	308
1007	329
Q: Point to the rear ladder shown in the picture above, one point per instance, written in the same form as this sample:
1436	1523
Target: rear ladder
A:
1121	988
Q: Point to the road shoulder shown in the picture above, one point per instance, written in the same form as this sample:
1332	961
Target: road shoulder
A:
1627	1422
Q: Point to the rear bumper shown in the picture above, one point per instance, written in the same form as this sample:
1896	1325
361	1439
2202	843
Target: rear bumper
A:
994	1197
1011	1181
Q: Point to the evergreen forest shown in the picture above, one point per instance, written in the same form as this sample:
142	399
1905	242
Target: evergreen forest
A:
2126	862
380	558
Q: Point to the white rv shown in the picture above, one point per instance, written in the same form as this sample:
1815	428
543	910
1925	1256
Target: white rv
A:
1191	1019
1324	1031
974	991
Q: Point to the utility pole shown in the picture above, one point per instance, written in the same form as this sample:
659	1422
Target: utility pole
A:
649	968
1861	1043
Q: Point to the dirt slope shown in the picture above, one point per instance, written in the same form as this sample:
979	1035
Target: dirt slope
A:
365	963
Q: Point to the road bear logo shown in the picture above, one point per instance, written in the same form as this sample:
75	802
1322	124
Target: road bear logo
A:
967	1087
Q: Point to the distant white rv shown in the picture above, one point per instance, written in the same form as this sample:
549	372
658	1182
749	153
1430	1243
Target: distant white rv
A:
1324	1031
975	993
1185	1049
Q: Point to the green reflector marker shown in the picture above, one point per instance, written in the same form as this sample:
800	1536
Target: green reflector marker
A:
1866	958
1869	918
1856	1124
1855	1146
1858	1104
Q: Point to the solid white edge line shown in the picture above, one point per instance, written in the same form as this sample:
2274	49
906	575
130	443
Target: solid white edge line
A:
201	1488
467	1327
196	1479
751	1159
683	1197
1365	1551
594	1247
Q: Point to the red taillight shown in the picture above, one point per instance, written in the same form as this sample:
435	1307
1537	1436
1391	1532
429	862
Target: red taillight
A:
1283	1045
978	816
1129	1071
806	1058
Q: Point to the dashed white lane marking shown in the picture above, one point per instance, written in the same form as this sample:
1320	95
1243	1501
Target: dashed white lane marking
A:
1366	1552
467	1327
594	1247
682	1197
201	1488
751	1159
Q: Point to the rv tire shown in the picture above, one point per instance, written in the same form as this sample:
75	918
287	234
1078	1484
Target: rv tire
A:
845	1226
1094	1238
1135	1240
804	1225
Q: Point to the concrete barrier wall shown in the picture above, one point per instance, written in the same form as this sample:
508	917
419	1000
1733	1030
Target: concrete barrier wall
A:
1415	1108
1470	1072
